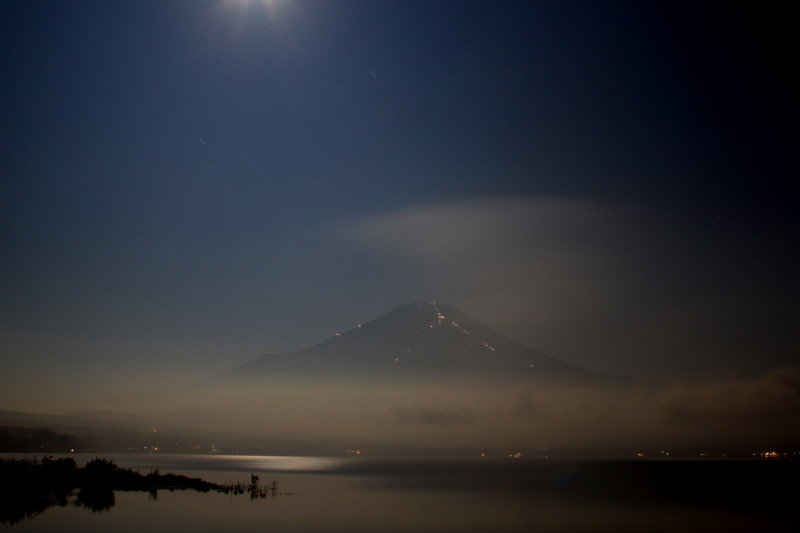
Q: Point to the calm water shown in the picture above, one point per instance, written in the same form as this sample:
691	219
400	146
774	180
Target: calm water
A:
359	494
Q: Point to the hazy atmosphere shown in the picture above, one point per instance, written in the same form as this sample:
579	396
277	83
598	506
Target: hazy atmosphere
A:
187	185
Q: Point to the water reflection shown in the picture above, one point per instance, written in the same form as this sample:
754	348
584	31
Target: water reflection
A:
360	495
232	463
283	463
18	505
95	499
28	487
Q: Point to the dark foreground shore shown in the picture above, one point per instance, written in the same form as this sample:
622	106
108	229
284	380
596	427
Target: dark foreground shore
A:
28	487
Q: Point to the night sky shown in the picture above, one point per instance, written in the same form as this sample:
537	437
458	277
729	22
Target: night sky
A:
185	185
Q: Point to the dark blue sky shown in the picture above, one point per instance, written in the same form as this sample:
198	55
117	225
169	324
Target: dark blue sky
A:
189	184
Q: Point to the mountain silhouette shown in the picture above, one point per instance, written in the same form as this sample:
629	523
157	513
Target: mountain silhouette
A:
420	339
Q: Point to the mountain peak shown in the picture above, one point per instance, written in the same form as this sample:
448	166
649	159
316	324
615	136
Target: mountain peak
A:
418	339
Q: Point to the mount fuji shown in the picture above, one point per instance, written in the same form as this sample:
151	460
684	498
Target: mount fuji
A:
421	340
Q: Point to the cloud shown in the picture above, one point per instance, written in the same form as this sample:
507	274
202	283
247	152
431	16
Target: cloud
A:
501	251
659	295
733	415
761	411
537	266
525	407
447	416
492	240
773	393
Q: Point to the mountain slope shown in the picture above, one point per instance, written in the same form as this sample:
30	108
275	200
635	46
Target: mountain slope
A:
414	340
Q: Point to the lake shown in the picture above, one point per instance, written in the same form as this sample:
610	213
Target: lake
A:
360	494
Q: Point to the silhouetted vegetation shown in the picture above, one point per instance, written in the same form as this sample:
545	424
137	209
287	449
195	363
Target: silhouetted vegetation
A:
28	487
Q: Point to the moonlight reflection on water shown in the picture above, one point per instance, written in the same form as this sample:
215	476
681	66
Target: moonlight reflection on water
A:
357	494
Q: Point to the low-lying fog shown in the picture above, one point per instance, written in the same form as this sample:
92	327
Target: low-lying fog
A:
726	414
